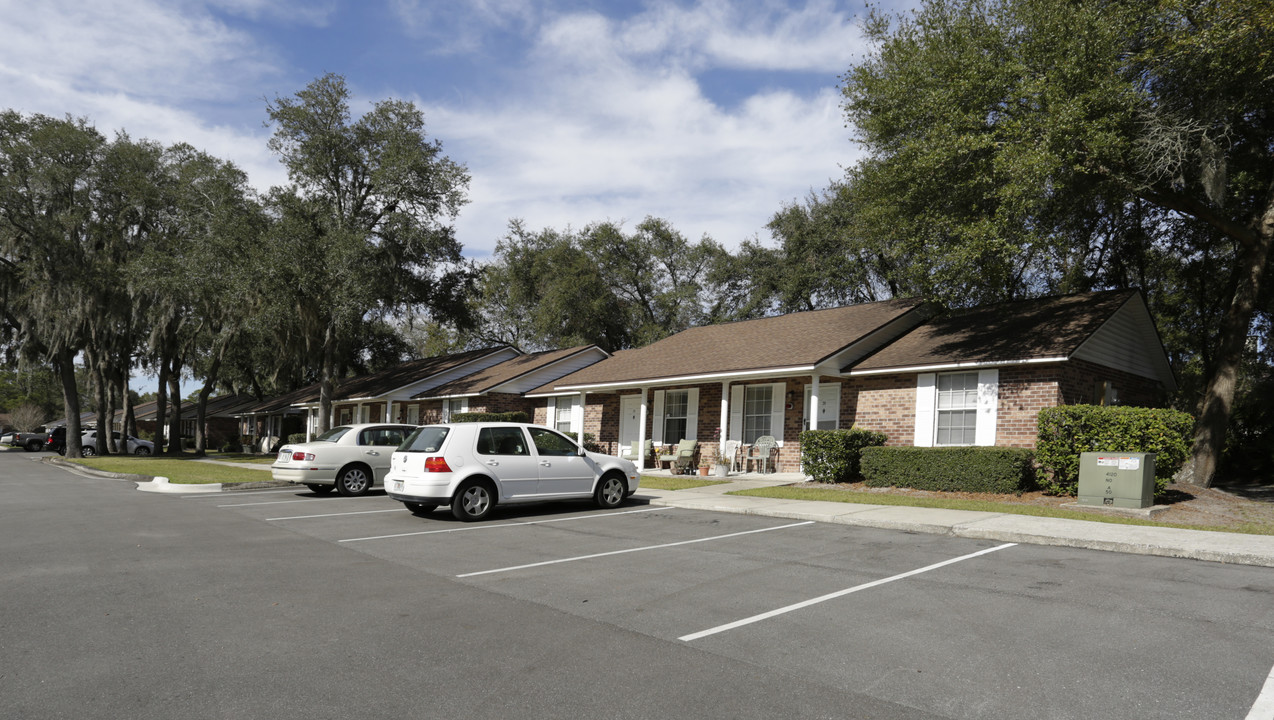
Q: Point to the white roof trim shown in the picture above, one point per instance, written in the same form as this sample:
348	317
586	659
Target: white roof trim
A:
958	366
684	379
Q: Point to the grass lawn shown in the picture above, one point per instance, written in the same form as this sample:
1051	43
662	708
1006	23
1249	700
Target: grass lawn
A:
847	496
184	470
676	483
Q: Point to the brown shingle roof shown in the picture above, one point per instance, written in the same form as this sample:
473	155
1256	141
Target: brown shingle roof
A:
399	376
797	340
500	373
1049	327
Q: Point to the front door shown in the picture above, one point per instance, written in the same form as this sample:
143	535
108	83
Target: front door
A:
828	406
629	419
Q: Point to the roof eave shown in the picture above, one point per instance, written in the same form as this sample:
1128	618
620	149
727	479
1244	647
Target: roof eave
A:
969	365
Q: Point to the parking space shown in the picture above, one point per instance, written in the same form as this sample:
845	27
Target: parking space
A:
959	627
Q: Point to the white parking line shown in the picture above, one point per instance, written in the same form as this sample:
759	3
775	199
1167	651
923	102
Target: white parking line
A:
326	515
305	500
503	525
243	492
632	550
833	596
1263	708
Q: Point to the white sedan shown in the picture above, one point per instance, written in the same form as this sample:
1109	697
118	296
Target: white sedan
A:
350	458
133	446
474	466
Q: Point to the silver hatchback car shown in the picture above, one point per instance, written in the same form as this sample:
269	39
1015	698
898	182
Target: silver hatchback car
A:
475	466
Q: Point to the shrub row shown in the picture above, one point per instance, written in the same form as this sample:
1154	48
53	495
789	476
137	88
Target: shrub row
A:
831	456
1068	430
517	417
950	469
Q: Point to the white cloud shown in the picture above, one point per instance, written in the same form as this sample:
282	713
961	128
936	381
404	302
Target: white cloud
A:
601	133
461	26
142	67
150	49
298	12
717	33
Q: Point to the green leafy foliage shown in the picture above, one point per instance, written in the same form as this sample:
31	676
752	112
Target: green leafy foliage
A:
589	443
832	456
1068	430
1023	147
954	469
517	416
602	285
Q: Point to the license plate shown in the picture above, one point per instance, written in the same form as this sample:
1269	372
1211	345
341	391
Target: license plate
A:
396	486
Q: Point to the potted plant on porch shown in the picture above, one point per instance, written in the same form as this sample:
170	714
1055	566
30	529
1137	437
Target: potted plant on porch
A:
712	452
704	463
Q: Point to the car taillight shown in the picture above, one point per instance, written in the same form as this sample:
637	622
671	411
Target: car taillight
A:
436	464
302	456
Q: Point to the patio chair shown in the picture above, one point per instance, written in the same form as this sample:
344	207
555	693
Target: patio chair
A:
731	453
764	449
682	458
630	452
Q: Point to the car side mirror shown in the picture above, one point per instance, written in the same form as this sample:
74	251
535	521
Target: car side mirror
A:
579	450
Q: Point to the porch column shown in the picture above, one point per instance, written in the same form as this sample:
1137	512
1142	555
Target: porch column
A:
389	411
309	424
641	432
725	417
813	420
577	415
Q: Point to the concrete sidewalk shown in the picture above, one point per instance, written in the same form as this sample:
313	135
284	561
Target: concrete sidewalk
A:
1005	527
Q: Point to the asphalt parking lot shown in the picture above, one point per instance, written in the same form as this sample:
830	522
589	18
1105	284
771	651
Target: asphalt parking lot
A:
669	612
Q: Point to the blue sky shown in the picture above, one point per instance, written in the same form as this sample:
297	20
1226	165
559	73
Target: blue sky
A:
712	114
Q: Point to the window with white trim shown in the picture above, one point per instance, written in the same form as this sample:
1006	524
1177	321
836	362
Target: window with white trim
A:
565	412
452	406
757	412
413	414
957	409
676	412
345	416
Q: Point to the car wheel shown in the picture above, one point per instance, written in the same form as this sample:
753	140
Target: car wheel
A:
320	489
141	450
610	491
420	508
34	446
88	451
353	481
473	501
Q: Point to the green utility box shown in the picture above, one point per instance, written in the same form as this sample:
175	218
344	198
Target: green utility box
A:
1117	479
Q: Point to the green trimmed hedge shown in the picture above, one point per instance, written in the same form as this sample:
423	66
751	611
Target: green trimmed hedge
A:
832	456
950	469
590	442
295	438
466	417
1068	430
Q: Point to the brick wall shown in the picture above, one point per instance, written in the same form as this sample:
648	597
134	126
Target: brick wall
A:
884	403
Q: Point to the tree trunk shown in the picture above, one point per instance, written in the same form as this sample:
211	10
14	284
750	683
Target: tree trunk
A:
327	382
201	408
102	402
65	363
161	405
130	413
174	396
1218	397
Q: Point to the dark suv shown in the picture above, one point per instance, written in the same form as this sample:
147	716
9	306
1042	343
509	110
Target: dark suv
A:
56	441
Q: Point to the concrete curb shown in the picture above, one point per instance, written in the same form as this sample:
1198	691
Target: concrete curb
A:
161	485
1236	548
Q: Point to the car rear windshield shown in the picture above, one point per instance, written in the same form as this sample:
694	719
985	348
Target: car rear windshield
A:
425	439
333	435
